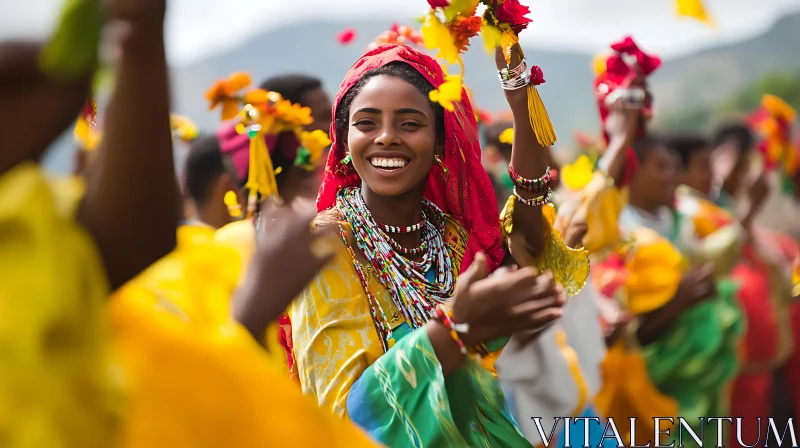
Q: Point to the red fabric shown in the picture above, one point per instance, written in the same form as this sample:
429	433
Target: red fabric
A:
751	398
620	74
761	335
462	192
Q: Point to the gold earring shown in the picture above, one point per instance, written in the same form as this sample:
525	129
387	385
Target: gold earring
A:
439	162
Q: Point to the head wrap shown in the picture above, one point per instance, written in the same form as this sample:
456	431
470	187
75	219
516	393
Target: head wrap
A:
618	71
237	147
462	190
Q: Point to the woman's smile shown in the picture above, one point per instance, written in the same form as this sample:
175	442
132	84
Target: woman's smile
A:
388	163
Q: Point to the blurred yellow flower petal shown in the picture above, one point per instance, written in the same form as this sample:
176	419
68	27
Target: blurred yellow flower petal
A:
438	37
578	174
507	136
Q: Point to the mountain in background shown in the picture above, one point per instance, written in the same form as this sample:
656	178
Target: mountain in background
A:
683	83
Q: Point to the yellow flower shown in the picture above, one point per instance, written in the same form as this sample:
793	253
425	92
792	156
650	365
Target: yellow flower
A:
492	37
464	8
437	36
182	127
314	144
507	136
578	174
84	135
448	93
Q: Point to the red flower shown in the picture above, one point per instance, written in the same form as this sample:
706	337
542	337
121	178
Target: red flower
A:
346	36
513	13
439	3
537	75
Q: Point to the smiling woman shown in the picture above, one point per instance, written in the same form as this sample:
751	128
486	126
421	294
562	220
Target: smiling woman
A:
384	335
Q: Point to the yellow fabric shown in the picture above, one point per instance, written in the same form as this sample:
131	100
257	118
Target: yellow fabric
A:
627	392
655	268
56	388
604	202
241	235
195	281
196	378
334	336
570	267
198	386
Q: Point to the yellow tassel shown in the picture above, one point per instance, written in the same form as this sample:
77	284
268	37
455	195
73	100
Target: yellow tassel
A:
540	121
261	173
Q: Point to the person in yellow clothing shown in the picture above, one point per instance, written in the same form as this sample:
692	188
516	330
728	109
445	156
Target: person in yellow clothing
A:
196	377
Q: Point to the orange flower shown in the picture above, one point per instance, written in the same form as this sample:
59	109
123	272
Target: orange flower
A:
463	29
223	93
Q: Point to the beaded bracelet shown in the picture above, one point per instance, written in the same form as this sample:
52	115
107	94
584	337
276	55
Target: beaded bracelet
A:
540	185
446	318
535	202
510	73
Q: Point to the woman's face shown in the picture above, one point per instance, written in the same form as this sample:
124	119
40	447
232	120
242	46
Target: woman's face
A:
656	179
391	136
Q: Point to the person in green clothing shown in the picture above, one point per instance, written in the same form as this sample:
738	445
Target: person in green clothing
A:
692	355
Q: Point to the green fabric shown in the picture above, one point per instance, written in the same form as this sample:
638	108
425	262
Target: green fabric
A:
698	357
404	400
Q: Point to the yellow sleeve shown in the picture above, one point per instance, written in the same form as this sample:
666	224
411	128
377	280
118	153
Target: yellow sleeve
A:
570	267
241	235
56	380
203	387
627	392
333	334
654	270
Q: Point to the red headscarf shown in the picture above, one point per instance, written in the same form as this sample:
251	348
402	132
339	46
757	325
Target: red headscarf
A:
465	191
619	74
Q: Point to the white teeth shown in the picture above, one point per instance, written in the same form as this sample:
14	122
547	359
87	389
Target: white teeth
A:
382	162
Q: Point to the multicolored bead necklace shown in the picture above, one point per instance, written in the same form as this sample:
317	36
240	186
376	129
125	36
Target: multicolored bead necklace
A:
405	280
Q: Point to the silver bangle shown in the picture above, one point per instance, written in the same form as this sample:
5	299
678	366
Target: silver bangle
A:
516	83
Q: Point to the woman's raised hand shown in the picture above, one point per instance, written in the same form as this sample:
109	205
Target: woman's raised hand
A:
506	302
289	254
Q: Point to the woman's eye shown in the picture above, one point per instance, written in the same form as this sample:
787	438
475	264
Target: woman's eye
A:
412	124
362	123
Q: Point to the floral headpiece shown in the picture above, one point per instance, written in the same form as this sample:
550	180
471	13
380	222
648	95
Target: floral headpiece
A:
261	113
452	23
616	73
398	35
774	120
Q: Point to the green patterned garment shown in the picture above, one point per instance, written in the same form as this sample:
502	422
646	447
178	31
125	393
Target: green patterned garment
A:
404	400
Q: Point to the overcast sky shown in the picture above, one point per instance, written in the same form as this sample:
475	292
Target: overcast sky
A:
196	28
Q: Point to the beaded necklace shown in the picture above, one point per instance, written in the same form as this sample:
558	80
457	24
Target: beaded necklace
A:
405	280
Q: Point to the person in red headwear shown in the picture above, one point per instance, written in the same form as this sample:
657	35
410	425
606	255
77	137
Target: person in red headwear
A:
387	332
